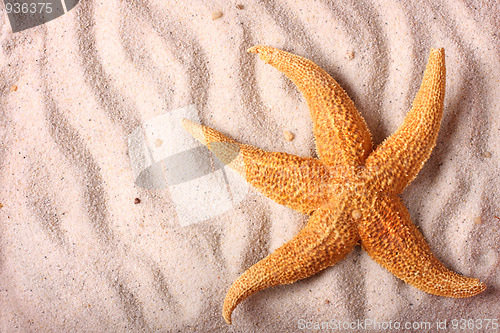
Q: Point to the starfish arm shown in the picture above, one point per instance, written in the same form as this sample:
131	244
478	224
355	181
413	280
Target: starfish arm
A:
296	182
401	156
342	137
327	238
392	240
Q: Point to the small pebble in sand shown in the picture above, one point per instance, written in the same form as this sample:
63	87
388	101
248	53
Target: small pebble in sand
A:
349	55
137	201
487	154
476	220
288	135
1	206
13	88
216	15
240	7
158	143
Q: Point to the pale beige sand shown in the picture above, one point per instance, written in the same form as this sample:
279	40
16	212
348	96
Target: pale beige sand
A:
76	252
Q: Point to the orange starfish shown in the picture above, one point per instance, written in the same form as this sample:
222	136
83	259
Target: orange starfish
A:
351	192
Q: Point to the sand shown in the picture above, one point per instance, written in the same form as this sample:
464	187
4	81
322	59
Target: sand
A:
79	252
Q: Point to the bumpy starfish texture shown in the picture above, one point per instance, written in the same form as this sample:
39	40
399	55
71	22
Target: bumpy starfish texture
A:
350	192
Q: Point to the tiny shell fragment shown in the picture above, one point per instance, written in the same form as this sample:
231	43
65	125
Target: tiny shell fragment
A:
216	15
288	135
13	88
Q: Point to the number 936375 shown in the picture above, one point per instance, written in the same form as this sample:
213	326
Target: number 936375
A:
474	324
28	8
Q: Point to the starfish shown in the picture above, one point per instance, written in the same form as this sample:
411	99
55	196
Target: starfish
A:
351	191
